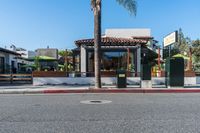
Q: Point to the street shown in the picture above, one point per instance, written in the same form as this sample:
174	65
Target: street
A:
124	113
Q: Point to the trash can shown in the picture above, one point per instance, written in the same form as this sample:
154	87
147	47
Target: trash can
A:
121	79
146	72
146	76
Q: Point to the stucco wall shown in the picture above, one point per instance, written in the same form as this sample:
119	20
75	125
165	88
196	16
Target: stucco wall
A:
127	33
47	52
2	55
82	81
198	80
8	58
106	81
187	80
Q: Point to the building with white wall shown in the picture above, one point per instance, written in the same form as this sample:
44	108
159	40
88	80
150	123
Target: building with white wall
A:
120	49
8	61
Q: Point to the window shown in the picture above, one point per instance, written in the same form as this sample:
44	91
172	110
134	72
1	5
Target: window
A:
2	65
114	61
90	61
111	60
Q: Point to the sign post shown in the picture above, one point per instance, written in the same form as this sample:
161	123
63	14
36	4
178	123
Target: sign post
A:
169	40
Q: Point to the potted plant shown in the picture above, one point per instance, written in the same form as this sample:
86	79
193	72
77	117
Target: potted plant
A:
132	69
71	72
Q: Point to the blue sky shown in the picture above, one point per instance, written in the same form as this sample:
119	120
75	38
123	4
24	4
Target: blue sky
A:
33	24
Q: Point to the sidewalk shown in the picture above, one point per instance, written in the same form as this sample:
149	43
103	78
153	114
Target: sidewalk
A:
29	89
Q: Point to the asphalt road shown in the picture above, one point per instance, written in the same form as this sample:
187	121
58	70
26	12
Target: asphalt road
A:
127	113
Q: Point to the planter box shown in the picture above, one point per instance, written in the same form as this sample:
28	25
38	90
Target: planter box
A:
48	74
190	74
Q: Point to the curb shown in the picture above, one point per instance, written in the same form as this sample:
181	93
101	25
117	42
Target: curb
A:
52	91
124	91
21	91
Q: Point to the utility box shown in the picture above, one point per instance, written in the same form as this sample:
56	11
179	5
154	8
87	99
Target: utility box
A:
175	72
121	79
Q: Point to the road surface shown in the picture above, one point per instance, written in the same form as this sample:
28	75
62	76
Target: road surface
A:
127	113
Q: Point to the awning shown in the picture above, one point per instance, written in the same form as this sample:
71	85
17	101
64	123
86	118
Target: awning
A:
183	56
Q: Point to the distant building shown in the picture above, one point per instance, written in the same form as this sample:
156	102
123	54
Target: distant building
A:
48	58
24	53
31	54
50	52
12	48
8	61
13	59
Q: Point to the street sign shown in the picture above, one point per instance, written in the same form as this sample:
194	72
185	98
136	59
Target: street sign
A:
171	39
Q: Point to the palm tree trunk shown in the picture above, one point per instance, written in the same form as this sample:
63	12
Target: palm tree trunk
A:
97	43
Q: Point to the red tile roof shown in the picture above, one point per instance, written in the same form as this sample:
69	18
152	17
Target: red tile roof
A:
114	41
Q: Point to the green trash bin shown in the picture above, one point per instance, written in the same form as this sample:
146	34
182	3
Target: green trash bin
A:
121	79
146	72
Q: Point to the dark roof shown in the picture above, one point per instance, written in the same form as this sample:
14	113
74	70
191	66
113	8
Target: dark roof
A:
76	50
142	37
20	57
114	41
8	51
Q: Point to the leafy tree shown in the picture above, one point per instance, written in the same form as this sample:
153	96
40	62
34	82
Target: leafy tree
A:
196	54
62	53
37	63
182	47
130	5
63	59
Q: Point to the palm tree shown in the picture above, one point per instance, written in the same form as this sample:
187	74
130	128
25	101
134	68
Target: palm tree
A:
130	5
64	54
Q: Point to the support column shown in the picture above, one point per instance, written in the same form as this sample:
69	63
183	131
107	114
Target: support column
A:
128	59
159	64
83	62
190	56
139	60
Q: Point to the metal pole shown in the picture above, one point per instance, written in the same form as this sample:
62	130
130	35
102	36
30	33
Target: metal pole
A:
168	67
169	51
66	61
190	62
128	59
159	68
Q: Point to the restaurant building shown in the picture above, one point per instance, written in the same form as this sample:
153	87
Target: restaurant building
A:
125	49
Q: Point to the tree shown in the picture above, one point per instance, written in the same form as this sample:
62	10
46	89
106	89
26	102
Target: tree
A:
130	5
62	53
196	54
37	63
182	47
64	58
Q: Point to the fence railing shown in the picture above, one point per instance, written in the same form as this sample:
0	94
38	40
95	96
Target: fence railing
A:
13	78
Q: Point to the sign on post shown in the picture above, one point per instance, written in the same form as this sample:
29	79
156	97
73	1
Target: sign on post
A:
171	39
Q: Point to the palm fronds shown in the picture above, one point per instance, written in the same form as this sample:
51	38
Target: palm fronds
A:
130	5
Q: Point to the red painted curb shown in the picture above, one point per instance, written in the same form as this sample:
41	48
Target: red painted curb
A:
123	91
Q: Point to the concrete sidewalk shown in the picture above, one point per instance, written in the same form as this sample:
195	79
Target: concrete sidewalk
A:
29	89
